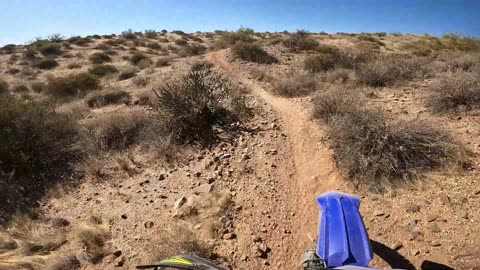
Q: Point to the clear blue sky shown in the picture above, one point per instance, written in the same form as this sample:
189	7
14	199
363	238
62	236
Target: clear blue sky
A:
23	20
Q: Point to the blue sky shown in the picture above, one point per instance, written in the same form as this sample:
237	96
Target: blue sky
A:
23	20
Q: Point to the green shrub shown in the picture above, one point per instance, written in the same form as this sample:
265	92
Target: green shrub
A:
252	53
99	58
102	70
137	57
76	85
318	63
47	64
459	91
104	98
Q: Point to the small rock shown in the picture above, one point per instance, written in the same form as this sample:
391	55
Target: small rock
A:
444	199
120	262
463	214
397	245
60	222
161	177
197	174
148	224
415	252
179	203
197	226
412	224
431	217
257	238
416	235
205	188
123	216
378	213
229	236
435	243
117	253
435	229
223	219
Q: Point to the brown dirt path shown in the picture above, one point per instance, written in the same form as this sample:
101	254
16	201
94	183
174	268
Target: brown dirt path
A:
314	171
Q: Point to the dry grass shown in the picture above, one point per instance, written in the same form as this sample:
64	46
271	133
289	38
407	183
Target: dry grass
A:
47	64
458	91
107	97
111	132
4	87
318	63
137	58
127	74
102	70
336	101
95	239
75	85
300	41
294	84
252	52
229	39
99	58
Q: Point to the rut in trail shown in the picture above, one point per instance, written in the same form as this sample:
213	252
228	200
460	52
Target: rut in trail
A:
314	171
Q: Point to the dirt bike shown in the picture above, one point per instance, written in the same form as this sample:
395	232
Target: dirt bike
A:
343	241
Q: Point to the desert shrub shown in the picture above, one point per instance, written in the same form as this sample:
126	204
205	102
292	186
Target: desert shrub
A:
115	131
149	33
189	110
164	61
139	43
252	53
200	65
335	101
140	81
339	75
74	65
231	38
99	58
428	45
94	237
3	87
29	53
300	41
370	39
47	48
20	88
12	71
193	49
102	70
380	34
75	85
9	48
79	41
294	84
38	87
127	74
459	61
163	40
389	70
181	42
137	57
153	45
109	97
459	91
43	138
56	38
318	63
371	151
129	34
47	64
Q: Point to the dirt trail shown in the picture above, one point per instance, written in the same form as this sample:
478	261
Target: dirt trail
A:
314	171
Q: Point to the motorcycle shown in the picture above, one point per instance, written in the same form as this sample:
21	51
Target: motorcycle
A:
342	242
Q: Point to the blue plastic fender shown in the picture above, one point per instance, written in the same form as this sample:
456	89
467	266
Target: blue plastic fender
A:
342	237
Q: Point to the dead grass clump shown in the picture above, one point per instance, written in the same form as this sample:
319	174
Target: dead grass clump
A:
63	263
75	85
192	49
127	74
164	61
102	70
318	63
47	64
300	41
372	151
336	101
95	238
388	71
188	111
228	39
104	98
458	91
27	243
137	57
115	131
76	110
4	88
99	58
294	84
252	53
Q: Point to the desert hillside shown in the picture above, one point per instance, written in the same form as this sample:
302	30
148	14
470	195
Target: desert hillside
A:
120	150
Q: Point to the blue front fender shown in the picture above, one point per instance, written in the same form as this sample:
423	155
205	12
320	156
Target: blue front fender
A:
342	237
